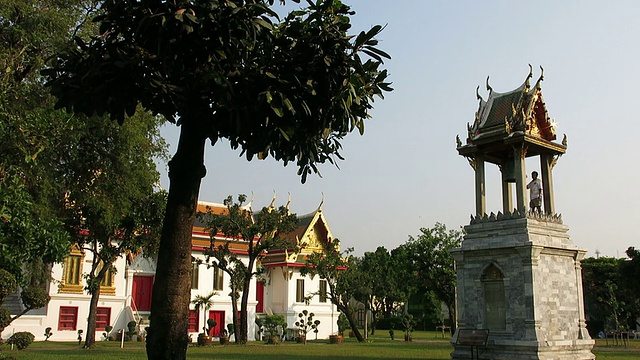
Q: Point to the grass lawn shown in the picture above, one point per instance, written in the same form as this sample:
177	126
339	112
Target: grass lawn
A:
425	347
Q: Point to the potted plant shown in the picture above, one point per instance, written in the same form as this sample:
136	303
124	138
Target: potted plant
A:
47	333
131	332
107	330
408	324
211	323
230	329
343	324
272	325
305	324
204	302
224	337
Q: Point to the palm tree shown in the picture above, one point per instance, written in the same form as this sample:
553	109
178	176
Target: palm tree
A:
205	302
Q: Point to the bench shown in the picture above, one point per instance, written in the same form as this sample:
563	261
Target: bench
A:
473	338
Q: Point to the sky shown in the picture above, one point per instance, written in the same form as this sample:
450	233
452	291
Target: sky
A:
404	173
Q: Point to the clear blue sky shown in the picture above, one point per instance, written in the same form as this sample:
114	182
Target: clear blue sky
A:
405	173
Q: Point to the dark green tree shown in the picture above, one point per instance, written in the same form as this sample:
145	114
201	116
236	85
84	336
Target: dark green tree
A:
609	297
434	264
630	275
260	233
344	280
290	89
390	281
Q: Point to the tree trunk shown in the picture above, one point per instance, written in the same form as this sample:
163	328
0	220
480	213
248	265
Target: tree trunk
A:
234	308
90	337
352	322
246	287
167	336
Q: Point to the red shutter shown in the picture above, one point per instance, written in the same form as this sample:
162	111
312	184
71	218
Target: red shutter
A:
193	321
259	297
68	318
103	318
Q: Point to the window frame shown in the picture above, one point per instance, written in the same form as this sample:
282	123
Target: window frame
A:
107	286
300	291
71	282
195	273
218	279
322	291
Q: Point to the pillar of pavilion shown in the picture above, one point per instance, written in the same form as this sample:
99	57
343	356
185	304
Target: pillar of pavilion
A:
519	274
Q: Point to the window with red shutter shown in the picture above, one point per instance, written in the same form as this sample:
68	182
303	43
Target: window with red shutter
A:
193	321
103	318
68	318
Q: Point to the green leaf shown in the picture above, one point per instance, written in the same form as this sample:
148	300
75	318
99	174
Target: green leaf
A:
278	111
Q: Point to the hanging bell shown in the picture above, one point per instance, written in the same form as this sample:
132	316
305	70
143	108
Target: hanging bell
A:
509	170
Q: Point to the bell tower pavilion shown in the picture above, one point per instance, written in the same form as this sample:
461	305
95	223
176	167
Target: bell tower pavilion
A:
519	274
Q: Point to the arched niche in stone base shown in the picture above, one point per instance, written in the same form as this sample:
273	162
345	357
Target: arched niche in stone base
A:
495	302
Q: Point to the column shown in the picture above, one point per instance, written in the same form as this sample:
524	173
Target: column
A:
481	205
547	183
521	186
507	195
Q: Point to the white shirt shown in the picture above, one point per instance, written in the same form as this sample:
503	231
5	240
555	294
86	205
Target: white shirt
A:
535	188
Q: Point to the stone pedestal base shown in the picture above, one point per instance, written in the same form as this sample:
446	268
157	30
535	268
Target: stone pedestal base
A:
528	350
519	276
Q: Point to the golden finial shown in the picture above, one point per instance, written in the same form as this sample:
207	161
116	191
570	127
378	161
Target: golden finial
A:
273	201
458	142
478	94
321	202
541	78
564	139
488	86
526	82
288	201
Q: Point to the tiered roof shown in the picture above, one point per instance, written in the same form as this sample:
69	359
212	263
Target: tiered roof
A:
504	119
312	234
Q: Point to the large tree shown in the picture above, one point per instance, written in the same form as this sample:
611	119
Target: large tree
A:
259	232
389	281
290	89
434	264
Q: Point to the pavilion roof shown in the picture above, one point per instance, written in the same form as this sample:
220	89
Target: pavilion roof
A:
515	116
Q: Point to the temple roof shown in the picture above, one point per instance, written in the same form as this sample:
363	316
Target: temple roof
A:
312	234
511	117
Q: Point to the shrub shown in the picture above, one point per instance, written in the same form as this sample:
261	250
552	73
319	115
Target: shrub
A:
21	339
271	324
35	297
